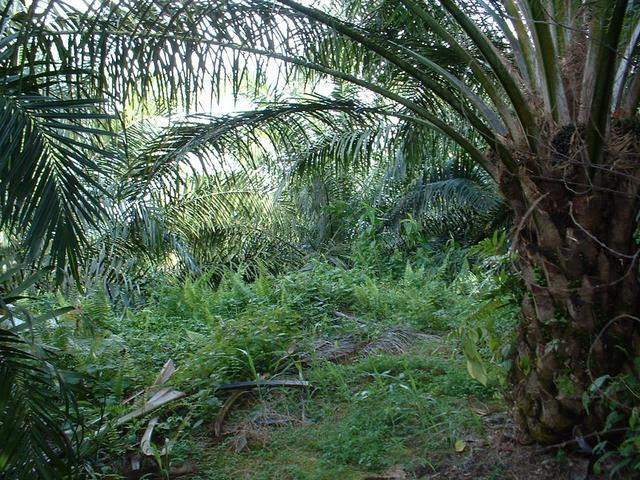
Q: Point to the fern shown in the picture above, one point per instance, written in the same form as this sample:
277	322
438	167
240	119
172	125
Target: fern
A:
95	311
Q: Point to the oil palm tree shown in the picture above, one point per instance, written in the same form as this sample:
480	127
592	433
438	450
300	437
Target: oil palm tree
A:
57	188
76	182
167	215
550	91
543	95
324	152
49	135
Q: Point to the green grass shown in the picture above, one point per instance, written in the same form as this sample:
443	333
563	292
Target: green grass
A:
369	414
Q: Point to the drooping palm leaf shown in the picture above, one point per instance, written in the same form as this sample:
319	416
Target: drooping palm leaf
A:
38	420
47	141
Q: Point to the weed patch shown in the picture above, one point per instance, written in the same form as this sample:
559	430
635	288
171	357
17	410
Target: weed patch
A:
379	346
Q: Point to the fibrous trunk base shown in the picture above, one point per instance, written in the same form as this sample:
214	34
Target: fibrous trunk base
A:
574	236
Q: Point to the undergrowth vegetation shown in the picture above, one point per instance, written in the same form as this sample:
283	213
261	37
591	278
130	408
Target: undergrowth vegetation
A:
386	341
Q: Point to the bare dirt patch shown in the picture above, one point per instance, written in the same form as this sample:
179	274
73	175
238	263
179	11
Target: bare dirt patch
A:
500	455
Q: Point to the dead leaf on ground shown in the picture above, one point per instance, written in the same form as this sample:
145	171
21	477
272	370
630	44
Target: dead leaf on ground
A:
145	442
168	369
479	407
392	342
239	442
336	350
161	397
460	445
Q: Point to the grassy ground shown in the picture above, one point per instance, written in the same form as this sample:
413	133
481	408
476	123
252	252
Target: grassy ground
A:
382	350
379	411
404	358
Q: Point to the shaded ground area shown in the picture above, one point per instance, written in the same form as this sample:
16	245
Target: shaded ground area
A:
359	378
360	421
497	454
491	454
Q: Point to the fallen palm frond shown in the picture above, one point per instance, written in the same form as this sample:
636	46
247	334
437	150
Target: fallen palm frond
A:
275	419
393	342
346	349
145	442
224	411
338	350
264	383
161	396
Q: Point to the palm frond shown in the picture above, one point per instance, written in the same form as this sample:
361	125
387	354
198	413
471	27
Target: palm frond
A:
34	410
49	189
47	140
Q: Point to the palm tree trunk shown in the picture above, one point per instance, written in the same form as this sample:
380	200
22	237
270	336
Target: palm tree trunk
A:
574	235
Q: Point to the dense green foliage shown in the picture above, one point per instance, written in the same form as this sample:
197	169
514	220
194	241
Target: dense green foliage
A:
348	228
402	318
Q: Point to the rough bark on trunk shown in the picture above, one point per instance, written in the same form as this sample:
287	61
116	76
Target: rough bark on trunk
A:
574	236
